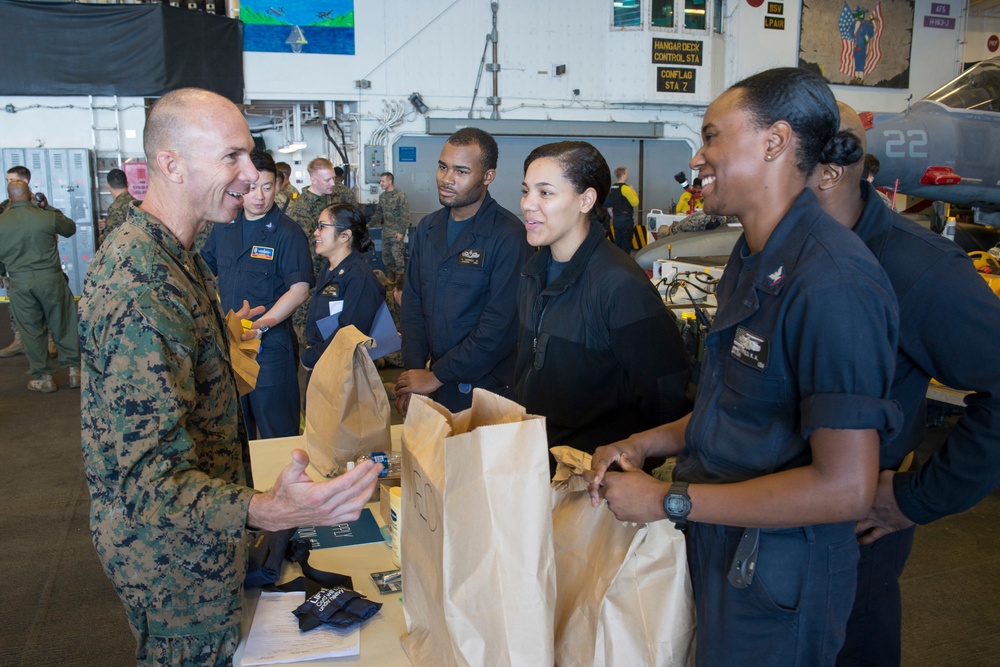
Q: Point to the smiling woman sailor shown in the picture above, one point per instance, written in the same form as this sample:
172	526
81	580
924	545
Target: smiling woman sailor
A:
780	455
599	354
347	290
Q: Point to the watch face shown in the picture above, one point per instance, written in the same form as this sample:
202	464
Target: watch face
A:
676	504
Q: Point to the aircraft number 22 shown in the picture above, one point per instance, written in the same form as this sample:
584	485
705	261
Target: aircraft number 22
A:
896	143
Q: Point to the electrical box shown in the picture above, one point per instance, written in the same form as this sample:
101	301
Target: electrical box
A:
374	163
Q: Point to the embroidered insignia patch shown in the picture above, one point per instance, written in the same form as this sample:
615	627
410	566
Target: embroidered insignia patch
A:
471	257
778	276
750	348
262	252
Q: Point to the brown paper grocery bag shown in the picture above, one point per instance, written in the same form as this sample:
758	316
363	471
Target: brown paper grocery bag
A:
242	355
623	591
347	409
478	575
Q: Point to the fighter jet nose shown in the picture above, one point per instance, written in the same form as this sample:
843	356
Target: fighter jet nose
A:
902	146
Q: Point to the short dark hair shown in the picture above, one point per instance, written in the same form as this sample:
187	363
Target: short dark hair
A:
22	173
872	166
803	100
263	161
469	136
284	168
583	166
339	171
392	179
117	179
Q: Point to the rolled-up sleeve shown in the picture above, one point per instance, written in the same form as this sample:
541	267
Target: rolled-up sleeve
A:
844	337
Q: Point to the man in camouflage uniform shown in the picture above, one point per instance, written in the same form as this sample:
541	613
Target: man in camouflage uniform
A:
163	446
305	210
118	185
342	193
393	213
286	191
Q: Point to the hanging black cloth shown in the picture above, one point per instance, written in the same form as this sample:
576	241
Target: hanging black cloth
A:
65	48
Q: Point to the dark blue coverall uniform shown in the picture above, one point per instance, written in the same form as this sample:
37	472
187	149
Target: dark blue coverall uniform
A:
260	272
460	303
804	338
353	282
947	330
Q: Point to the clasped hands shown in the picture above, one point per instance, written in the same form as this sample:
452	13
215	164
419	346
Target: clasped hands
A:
616	477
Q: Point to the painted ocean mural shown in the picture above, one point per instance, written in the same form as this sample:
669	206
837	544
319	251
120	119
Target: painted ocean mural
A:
298	26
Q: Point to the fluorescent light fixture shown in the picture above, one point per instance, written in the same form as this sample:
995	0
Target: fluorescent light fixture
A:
292	147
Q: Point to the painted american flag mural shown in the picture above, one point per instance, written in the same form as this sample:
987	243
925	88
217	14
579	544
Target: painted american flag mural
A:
864	43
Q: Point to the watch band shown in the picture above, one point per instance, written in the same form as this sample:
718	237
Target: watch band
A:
677	504
263	330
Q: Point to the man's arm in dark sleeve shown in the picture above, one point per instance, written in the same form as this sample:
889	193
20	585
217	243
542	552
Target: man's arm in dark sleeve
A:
953	338
416	349
64	226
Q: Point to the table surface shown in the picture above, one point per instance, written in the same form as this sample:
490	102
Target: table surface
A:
379	635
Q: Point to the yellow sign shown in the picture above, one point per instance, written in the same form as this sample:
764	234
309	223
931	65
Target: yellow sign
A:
774	23
675	80
775	8
677	52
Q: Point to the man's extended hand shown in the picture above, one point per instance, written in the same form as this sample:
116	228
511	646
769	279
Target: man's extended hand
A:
254	331
296	500
625	454
885	516
245	313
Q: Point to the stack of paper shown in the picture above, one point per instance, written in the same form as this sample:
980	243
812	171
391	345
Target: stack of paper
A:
275	637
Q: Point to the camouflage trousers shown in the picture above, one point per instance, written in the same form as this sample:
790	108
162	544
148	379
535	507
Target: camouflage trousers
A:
394	256
183	598
212	649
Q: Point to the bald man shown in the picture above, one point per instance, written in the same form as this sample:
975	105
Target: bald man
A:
163	444
939	294
40	299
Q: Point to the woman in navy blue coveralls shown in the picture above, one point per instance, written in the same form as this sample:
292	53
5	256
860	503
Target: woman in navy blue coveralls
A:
346	287
780	456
